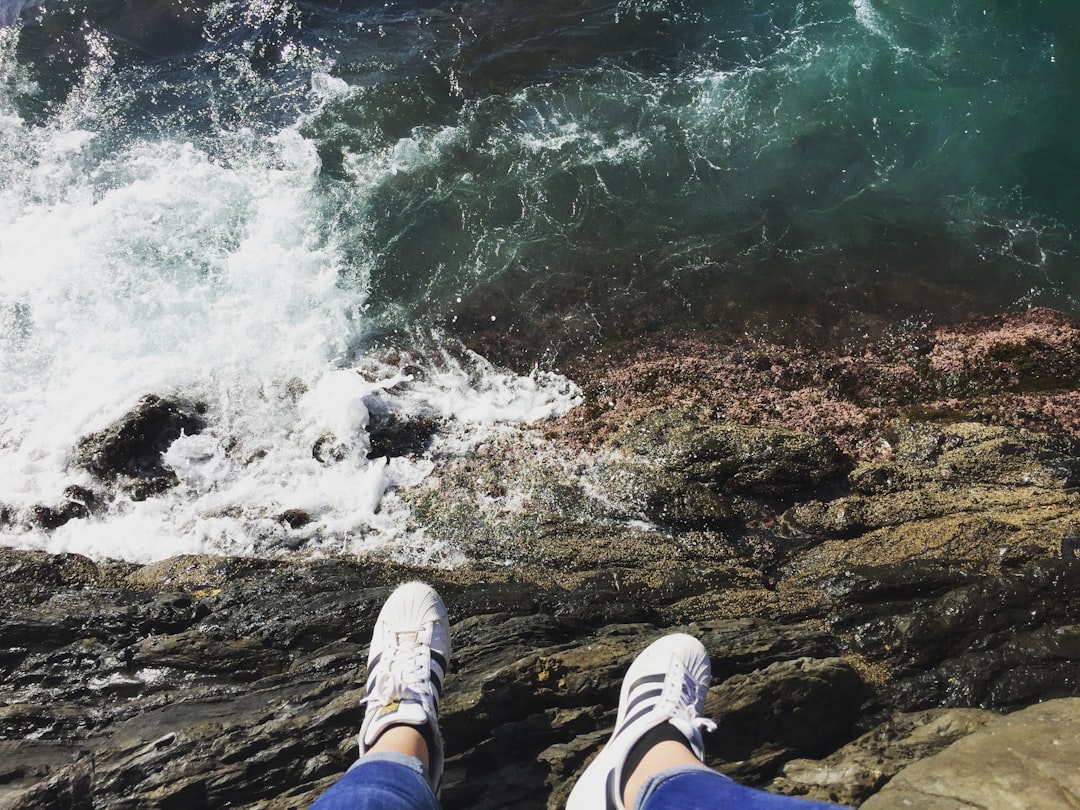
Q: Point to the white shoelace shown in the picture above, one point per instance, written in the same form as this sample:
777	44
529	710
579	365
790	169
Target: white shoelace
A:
681	704
403	677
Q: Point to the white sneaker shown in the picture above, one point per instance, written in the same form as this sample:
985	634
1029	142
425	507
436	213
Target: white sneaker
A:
666	683
410	651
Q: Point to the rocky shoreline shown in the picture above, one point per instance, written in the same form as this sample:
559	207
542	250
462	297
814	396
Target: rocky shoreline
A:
876	544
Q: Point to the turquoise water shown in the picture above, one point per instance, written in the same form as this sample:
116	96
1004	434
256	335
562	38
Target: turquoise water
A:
246	202
631	163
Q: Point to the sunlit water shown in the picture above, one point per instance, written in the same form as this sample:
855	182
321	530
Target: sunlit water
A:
291	211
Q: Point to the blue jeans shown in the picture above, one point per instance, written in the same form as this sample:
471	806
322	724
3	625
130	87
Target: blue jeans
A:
397	782
690	788
381	782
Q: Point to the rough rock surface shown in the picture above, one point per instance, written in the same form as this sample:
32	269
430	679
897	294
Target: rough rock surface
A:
215	682
878	549
1027	759
861	767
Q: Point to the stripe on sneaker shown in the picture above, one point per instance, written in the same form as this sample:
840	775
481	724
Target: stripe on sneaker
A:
648	694
609	792
372	668
439	659
642	690
658	677
630	721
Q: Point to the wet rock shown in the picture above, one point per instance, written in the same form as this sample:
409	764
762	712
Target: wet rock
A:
295	518
177	676
129	451
988	496
644	492
176	692
42	572
328	450
392	435
1027	759
733	458
48	517
203	649
79	502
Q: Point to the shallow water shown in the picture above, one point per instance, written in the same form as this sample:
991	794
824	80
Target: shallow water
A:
245	203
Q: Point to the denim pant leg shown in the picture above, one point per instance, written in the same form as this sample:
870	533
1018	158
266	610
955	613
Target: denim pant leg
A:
381	782
690	788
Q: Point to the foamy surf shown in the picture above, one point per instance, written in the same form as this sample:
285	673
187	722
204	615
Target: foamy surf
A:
170	268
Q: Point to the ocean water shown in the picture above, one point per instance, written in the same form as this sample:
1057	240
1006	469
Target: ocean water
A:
301	212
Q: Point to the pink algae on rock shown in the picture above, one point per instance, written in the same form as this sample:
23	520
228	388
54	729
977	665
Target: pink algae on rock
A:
1019	369
1036	348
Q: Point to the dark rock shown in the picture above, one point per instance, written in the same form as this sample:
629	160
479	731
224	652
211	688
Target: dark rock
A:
129	451
734	458
295	518
237	682
392	435
1070	546
81	495
79	502
177	694
203	649
980	614
799	708
49	517
879	588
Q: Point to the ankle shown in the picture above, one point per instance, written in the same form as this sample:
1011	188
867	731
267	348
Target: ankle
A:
664	755
404	739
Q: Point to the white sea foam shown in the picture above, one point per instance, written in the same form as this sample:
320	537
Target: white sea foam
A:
170	268
11	9
876	23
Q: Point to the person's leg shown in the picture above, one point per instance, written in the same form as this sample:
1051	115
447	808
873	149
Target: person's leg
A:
655	757
401	750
